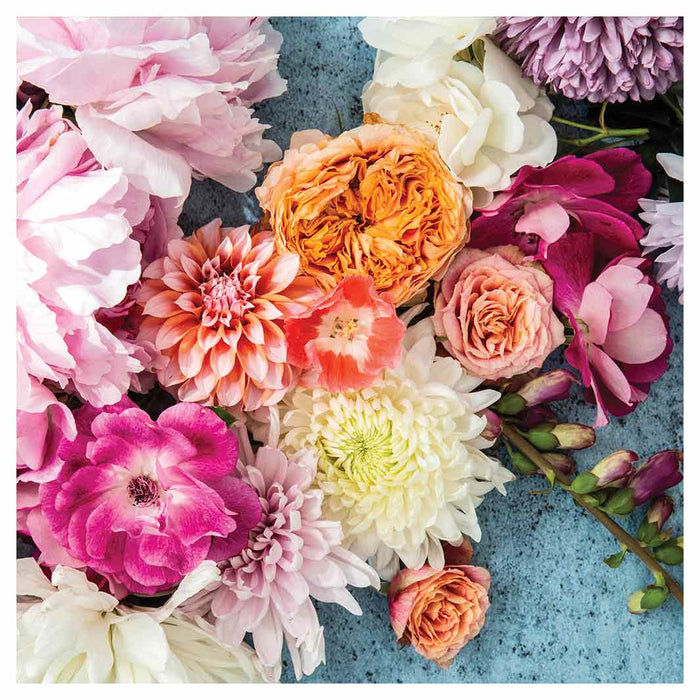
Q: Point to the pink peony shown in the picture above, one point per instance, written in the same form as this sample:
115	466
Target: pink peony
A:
76	256
347	338
214	308
161	97
596	193
495	312
144	503
292	556
621	343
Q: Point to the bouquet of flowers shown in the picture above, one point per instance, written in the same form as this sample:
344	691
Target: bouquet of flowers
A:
218	427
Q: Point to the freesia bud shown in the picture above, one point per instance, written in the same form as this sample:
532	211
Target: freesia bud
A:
659	512
542	438
550	386
573	436
620	503
509	405
669	553
658	473
494	425
612	471
536	415
561	462
647	599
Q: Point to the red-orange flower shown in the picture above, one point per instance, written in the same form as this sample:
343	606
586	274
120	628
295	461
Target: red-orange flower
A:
214	306
348	338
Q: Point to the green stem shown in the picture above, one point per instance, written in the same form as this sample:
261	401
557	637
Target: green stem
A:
641	134
674	107
576	125
623	537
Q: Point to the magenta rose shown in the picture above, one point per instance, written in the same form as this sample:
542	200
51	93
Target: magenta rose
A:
594	194
621	342
495	312
144	502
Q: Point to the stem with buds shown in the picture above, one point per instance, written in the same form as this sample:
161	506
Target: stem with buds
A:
623	537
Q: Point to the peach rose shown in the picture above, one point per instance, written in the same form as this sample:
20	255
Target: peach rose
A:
439	611
377	200
496	313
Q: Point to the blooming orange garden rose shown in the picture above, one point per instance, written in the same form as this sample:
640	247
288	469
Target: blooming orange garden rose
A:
377	200
439	611
495	313
214	306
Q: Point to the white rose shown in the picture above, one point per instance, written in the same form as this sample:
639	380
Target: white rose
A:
416	52
486	123
70	632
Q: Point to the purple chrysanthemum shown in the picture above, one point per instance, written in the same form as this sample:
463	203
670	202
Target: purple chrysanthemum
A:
597	58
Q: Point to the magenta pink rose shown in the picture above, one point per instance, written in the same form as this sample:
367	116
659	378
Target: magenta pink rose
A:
144	502
495	312
621	342
595	194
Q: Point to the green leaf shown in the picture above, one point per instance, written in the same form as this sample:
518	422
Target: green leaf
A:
224	415
654	597
614	560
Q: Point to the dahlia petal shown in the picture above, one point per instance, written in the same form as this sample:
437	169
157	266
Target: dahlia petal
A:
252	360
190	354
267	639
174	329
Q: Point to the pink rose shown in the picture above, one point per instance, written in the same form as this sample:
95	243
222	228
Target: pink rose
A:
496	313
439	611
621	343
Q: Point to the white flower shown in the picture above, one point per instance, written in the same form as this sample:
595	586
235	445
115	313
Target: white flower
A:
400	462
75	633
486	123
416	52
666	230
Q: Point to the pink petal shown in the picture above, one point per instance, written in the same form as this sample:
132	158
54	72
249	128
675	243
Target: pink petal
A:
547	219
610	374
595	311
640	343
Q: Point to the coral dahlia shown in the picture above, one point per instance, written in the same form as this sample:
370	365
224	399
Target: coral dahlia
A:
214	306
292	556
400	462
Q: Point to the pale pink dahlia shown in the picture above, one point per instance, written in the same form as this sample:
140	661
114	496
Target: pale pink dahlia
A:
161	97
214	306
144	503
75	256
597	58
292	556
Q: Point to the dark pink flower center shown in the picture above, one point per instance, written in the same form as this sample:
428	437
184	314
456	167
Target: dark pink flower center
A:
224	299
143	491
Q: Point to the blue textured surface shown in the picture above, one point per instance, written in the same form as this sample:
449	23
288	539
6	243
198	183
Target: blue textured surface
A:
558	614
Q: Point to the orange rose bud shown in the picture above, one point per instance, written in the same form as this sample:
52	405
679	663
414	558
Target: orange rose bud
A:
439	611
377	200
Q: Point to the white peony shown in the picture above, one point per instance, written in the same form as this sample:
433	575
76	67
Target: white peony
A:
416	52
666	230
486	123
400	462
71	632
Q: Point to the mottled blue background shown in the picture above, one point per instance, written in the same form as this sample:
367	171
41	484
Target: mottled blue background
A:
558	614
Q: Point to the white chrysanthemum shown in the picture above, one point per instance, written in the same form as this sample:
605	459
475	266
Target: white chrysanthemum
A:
75	633
400	462
666	230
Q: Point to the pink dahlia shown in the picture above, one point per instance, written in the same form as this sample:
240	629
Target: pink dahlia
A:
292	556
347	338
621	343
597	58
214	307
76	255
144	503
161	97
595	194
